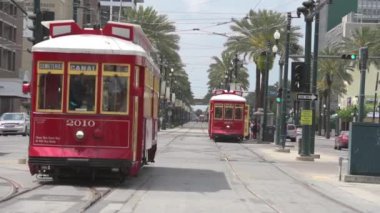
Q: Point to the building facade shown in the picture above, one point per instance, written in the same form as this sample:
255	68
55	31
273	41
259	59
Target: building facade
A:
11	28
110	9
366	15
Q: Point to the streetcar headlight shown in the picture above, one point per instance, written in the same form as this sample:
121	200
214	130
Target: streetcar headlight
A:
79	134
228	126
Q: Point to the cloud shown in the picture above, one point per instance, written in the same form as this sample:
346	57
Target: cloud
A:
194	5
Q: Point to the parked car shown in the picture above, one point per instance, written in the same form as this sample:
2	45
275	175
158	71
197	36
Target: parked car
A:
341	141
291	132
14	123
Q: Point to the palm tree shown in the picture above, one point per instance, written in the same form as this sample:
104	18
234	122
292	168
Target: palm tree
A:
332	77
254	36
161	33
223	67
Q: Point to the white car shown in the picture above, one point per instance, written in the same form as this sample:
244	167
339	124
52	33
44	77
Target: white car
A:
291	132
14	123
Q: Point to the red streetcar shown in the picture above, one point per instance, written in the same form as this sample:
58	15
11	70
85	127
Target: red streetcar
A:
94	104
228	116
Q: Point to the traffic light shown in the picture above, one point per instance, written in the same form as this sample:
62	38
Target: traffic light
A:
298	77
36	27
352	56
363	53
288	100
279	95
47	16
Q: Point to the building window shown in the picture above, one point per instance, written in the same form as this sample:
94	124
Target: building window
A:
1	29
1	57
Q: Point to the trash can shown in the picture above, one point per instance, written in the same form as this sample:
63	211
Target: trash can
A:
268	134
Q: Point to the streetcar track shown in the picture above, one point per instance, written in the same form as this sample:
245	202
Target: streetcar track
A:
135	198
303	183
226	159
16	189
96	196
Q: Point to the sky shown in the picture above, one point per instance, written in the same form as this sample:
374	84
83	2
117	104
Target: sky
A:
212	17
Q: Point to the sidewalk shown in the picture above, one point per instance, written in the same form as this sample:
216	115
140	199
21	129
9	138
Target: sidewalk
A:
323	175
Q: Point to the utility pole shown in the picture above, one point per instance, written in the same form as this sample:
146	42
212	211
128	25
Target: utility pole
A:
285	81
236	63
265	99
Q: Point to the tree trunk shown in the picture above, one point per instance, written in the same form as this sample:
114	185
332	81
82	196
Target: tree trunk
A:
320	120
328	114
258	92
262	89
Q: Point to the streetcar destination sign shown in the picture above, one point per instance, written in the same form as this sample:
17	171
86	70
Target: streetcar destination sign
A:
307	96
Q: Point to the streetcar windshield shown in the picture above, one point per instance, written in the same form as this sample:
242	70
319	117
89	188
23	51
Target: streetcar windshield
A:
82	87
115	88
228	111
82	93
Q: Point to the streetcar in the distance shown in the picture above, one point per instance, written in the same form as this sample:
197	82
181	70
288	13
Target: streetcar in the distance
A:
94	101
228	116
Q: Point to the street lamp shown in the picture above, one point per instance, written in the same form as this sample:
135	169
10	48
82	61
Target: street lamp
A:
226	81
324	119
277	36
337	125
169	113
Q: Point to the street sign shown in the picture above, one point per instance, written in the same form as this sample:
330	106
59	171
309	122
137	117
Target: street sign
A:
306	117
307	96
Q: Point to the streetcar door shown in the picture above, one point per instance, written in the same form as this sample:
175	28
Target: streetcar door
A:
246	121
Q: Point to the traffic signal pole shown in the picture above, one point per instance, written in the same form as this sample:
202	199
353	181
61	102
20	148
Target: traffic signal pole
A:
363	57
305	151
36	17
314	80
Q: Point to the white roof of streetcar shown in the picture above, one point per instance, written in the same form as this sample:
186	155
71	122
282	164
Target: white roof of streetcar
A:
228	97
89	44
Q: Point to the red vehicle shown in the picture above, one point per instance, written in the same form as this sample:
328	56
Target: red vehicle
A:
341	141
94	102
228	116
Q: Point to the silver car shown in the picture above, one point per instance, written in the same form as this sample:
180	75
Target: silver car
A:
14	123
291	132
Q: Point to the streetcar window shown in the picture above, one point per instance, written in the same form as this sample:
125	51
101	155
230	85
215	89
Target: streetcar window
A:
238	112
49	92
115	88
114	94
82	93
228	111
49	85
218	112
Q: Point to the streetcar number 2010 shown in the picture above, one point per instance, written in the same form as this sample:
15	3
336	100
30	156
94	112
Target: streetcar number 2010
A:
80	123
